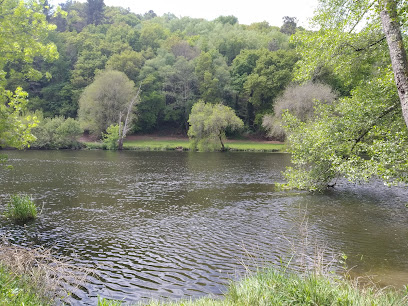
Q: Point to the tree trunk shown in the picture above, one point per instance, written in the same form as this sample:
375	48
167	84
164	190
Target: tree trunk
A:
222	143
125	125
391	28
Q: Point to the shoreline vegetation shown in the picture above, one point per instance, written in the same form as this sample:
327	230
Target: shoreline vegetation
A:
165	143
37	277
271	286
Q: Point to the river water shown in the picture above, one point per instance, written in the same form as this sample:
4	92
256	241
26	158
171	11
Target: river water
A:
170	225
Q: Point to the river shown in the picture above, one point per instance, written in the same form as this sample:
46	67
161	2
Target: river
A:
170	225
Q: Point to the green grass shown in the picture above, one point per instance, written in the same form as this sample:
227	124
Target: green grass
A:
254	146
277	287
16	290
157	145
21	208
183	144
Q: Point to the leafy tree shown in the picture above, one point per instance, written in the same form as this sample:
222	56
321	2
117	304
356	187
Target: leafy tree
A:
95	11
363	135
23	30
129	62
152	34
298	100
105	101
208	123
180	88
227	19
289	25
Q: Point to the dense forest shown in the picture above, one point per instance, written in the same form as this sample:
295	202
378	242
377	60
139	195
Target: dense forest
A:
175	61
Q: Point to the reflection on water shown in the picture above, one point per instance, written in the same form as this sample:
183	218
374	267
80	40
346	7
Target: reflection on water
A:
178	224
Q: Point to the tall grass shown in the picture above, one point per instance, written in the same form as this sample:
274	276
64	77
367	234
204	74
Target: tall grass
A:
35	276
21	208
17	290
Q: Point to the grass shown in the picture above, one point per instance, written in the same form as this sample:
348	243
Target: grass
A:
254	146
21	208
277	286
184	145
35	276
17	290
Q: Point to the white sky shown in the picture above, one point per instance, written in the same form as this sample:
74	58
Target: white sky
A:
246	11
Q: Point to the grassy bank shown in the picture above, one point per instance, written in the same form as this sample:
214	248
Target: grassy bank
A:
183	144
18	290
35	276
277	287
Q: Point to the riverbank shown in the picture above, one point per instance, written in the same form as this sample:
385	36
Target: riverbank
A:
268	287
168	143
279	287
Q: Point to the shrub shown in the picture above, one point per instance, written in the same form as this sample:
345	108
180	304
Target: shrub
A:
111	138
21	208
57	133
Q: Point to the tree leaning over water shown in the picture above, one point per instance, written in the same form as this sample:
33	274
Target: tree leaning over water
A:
364	134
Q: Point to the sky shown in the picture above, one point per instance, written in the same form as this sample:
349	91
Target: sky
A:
247	11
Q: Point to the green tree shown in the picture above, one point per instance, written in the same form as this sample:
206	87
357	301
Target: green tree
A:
208	123
95	11
105	101
363	135
23	30
289	25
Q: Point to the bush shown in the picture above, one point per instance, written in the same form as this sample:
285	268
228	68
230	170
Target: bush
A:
57	133
21	208
111	138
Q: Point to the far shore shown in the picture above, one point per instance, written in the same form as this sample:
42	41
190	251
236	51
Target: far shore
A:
156	142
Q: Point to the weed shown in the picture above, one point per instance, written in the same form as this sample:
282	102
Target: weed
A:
21	208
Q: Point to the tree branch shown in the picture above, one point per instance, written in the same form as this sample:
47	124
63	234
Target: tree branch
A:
367	47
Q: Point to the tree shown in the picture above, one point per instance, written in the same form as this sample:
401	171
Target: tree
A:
105	101
289	25
208	123
95	11
363	135
391	27
23	30
300	101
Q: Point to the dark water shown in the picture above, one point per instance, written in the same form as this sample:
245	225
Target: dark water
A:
178	225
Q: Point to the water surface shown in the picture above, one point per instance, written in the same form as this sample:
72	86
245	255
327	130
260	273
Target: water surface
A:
178	225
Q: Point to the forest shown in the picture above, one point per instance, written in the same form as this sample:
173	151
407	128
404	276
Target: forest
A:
175	61
337	92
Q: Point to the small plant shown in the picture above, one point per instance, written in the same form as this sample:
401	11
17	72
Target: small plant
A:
111	138
21	208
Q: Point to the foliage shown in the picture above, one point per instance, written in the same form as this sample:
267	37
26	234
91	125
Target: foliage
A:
23	32
359	137
105	101
299	100
15	128
208	124
280	286
57	133
111	138
21	208
177	60
362	135
16	290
